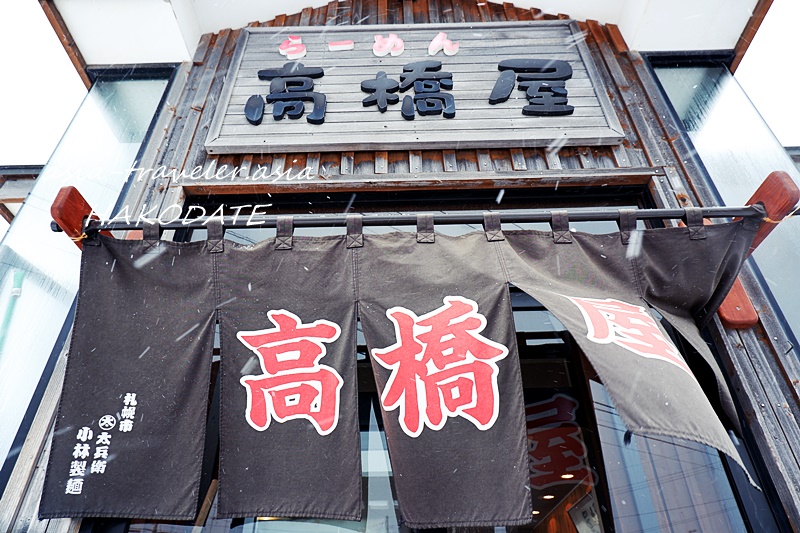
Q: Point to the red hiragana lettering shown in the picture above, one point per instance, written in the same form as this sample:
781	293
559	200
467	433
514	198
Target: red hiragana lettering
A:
294	385
441	367
388	45
293	48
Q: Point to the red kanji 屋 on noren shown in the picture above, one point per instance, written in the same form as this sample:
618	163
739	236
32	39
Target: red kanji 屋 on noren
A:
628	326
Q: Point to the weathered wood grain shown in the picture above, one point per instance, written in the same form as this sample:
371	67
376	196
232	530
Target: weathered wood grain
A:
414	161
434	12
510	11
32	449
202	49
407	171
518	159
764	410
592	121
408	11
319	15
484	11
421	11
383	11
381	162
333	7
292	20
305	16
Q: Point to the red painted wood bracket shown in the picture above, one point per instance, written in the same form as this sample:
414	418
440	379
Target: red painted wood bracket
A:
69	210
736	310
779	196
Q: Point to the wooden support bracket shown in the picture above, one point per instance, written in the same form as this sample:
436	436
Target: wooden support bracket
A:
69	210
779	196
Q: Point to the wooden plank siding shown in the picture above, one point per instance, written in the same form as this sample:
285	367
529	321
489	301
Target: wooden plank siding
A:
652	154
536	159
476	124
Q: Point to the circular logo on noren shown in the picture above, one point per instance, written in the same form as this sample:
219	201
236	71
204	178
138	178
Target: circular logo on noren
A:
107	422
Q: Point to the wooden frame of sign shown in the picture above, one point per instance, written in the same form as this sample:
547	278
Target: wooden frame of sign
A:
349	125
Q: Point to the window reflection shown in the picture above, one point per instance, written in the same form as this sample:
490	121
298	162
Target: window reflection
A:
738	150
39	268
662	483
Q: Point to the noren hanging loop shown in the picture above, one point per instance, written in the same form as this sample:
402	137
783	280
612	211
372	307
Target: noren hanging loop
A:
464	217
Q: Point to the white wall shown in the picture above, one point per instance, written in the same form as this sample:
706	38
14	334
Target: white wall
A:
33	73
215	15
125	31
145	31
647	25
667	25
661	25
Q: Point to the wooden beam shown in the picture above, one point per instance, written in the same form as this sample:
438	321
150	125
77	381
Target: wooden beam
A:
750	29
779	196
15	191
69	210
616	38
6	213
60	27
205	508
468	179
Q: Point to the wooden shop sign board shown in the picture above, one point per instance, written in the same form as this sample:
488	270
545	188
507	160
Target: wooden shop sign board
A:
496	85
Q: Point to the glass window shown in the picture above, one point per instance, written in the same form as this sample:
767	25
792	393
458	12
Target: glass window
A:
663	483
738	150
38	268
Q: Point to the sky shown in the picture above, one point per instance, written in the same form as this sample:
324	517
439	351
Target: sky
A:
40	90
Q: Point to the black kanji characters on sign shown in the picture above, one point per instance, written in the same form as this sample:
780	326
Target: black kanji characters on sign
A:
546	98
543	81
290	86
537	69
427	79
503	87
381	88
424	71
429	100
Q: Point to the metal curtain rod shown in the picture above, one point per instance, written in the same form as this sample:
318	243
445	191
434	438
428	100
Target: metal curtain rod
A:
466	217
